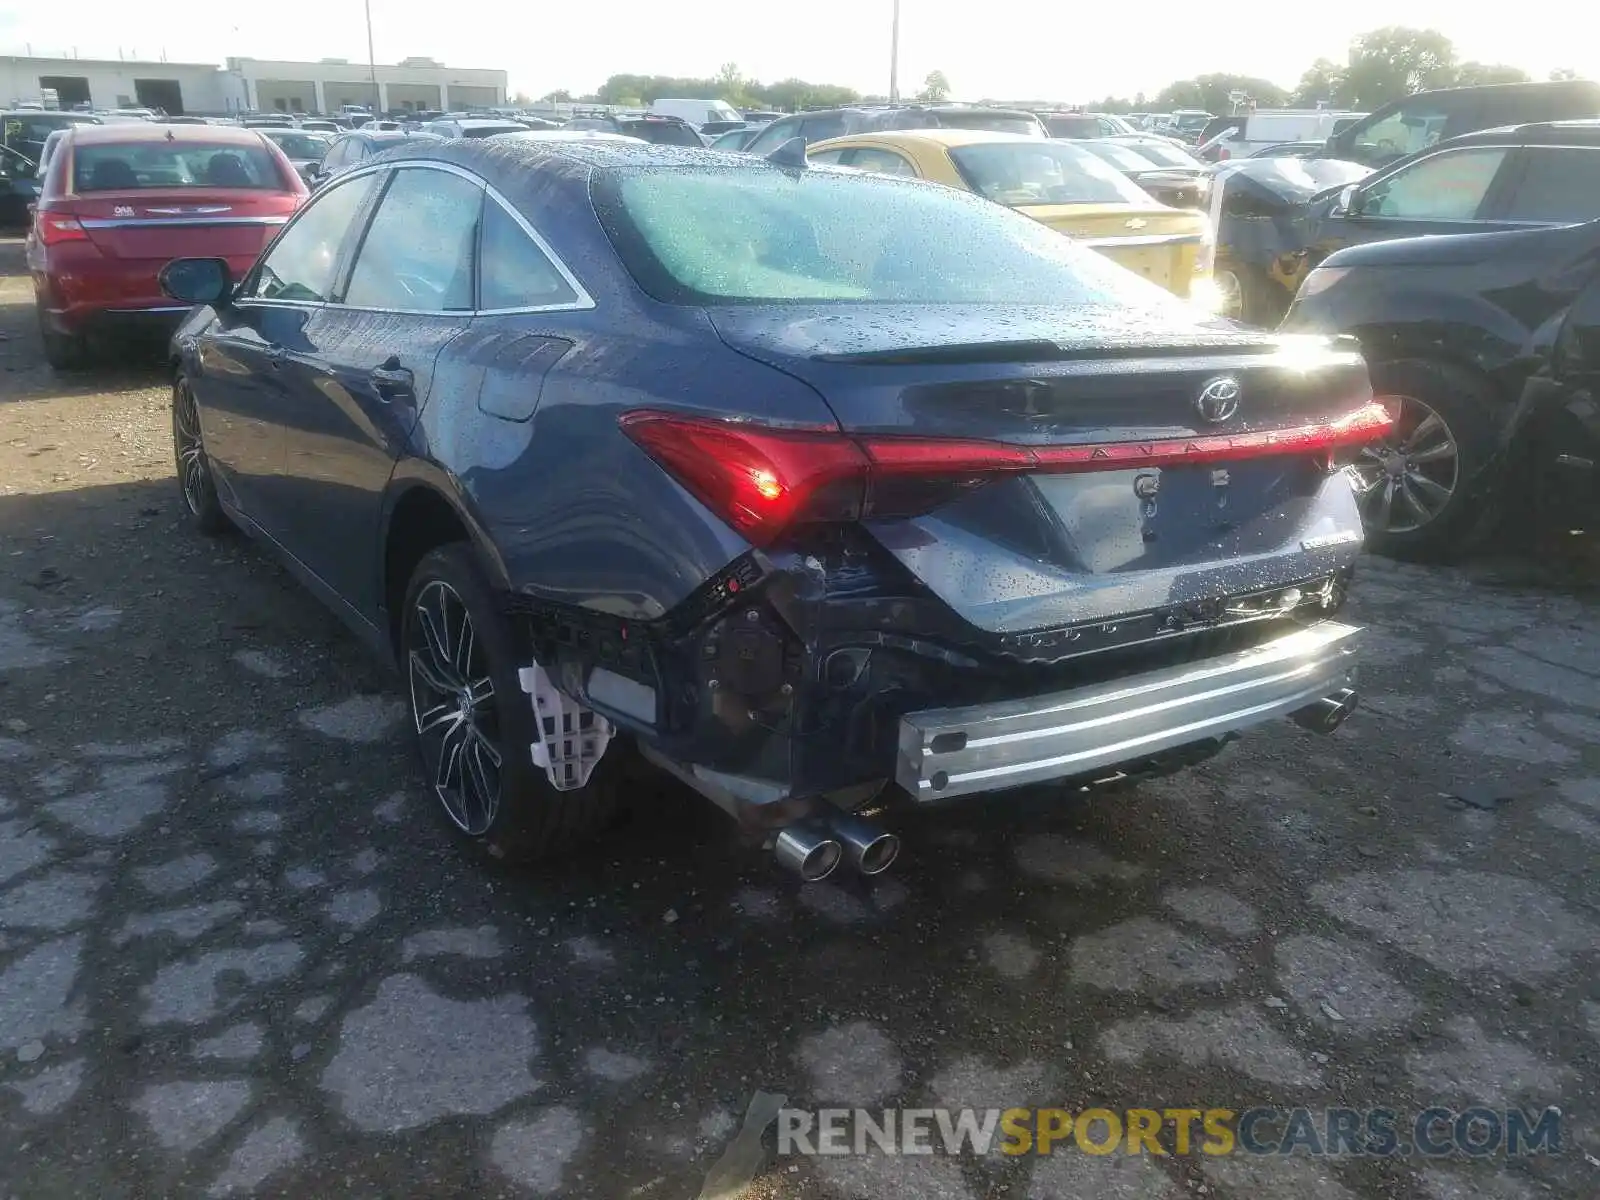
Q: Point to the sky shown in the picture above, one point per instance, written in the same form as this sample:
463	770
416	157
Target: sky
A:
1027	49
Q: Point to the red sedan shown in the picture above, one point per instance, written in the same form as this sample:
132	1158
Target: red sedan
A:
120	201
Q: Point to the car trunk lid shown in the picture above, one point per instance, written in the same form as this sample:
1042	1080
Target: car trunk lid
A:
1156	467
147	224
1162	244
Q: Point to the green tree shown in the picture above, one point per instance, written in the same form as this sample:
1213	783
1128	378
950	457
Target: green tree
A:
1394	61
732	86
790	95
1322	83
1212	93
559	96
935	87
1471	73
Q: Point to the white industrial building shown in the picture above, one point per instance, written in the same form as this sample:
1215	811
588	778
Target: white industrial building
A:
249	85
415	84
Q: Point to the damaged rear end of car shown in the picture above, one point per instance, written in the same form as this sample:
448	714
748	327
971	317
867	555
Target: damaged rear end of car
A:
1041	522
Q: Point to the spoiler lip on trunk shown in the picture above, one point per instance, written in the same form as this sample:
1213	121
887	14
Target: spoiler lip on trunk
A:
1023	350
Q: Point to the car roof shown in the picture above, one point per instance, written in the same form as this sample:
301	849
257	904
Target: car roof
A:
153	131
511	160
948	138
1537	133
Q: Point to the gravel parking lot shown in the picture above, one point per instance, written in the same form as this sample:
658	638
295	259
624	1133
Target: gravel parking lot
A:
238	954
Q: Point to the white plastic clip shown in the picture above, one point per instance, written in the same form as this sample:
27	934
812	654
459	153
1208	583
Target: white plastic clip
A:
572	738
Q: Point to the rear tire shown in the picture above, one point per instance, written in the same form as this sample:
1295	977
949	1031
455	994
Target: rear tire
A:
1441	406
468	707
195	485
63	351
1249	296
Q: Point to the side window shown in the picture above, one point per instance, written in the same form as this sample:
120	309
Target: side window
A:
1444	187
1402	132
1558	186
516	273
883	162
775	135
334	158
832	158
301	265
418	252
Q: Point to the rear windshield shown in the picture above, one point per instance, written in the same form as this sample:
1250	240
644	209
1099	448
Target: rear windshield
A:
119	166
743	235
1023	173
301	145
662	133
1072	127
1164	155
1120	157
989	122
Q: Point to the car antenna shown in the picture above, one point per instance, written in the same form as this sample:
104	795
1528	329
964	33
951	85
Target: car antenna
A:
791	154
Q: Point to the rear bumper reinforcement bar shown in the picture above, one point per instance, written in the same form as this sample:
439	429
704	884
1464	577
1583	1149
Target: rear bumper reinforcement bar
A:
986	747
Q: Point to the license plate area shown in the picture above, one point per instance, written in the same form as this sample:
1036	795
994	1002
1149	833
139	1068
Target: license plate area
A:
1147	518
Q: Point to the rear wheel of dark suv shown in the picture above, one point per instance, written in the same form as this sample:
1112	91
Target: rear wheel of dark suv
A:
475	725
1423	491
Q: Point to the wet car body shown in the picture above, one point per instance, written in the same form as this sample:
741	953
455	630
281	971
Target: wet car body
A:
1495	338
800	549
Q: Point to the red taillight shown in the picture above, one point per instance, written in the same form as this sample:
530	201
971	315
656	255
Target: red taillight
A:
762	480
55	229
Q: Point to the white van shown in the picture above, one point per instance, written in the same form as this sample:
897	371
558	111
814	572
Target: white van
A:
696	112
1275	127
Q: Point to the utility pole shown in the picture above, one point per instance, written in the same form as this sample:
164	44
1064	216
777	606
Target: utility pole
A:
894	56
372	64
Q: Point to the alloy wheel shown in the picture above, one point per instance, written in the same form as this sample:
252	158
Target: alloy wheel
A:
453	706
194	472
1405	481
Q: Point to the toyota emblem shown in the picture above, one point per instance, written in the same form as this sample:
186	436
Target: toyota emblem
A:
1218	400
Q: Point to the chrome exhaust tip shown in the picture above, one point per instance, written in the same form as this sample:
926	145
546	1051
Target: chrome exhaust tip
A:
870	850
1327	714
808	850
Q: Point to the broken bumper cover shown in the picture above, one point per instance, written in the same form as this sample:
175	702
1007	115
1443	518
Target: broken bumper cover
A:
988	747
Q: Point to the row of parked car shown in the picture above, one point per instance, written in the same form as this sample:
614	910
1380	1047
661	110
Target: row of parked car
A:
895	493
1242	238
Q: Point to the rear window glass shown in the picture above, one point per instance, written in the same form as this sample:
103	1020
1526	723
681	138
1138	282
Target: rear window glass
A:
662	133
1026	173
752	236
992	122
1073	127
1120	157
300	145
1165	155
120	166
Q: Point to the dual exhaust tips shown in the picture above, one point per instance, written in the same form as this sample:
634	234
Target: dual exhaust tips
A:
813	849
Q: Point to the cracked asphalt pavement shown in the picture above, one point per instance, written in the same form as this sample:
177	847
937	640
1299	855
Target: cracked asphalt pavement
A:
239	956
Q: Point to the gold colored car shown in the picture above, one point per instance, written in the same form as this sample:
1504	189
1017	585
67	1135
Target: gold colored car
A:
1059	184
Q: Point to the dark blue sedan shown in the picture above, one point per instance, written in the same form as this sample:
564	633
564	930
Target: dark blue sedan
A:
818	490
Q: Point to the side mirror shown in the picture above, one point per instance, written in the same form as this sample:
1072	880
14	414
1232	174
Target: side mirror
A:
1349	202
197	280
